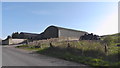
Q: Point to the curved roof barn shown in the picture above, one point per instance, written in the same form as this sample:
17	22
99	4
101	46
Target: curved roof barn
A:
51	32
56	32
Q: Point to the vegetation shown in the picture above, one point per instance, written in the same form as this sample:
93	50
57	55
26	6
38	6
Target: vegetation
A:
93	53
22	46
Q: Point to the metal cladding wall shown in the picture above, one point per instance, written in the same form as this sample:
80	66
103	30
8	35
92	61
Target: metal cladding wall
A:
70	33
51	32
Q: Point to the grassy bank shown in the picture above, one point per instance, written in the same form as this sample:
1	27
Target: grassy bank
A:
88	58
93	53
87	52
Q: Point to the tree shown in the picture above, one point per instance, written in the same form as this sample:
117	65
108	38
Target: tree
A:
15	35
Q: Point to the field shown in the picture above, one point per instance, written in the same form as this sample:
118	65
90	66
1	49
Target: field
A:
104	52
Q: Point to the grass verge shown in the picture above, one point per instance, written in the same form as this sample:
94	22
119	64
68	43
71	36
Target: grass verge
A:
89	53
66	54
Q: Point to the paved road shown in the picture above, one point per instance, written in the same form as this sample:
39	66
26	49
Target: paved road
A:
16	57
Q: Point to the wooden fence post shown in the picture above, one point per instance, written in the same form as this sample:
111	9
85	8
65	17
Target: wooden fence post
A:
106	49
51	44
68	45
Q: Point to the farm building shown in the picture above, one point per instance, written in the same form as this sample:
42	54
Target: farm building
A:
10	41
24	35
59	32
51	32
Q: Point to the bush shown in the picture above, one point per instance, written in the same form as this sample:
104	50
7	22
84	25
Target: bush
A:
108	40
117	40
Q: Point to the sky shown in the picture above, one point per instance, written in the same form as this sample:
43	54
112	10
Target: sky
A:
100	18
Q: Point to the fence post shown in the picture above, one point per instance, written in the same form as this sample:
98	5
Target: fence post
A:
106	49
68	45
26	42
51	45
82	51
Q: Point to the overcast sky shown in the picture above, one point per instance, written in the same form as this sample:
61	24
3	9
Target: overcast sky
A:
100	18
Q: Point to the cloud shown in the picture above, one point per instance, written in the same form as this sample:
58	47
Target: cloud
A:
109	25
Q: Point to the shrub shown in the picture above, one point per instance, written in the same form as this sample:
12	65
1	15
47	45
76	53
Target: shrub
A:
117	40
107	40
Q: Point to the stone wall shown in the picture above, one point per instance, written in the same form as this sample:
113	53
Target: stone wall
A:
17	41
48	41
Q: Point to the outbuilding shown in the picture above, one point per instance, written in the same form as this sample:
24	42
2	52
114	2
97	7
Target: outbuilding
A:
59	32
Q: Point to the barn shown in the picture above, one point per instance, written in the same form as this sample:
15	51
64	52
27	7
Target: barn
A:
51	32
24	35
59	32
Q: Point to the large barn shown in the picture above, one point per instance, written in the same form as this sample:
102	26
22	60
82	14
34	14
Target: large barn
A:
51	32
58	32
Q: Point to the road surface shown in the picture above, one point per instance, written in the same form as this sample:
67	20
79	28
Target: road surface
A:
17	57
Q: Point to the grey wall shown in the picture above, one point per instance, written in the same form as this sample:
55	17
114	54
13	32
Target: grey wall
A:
16	41
12	41
70	33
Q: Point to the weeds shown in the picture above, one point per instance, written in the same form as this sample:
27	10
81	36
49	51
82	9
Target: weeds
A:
86	52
